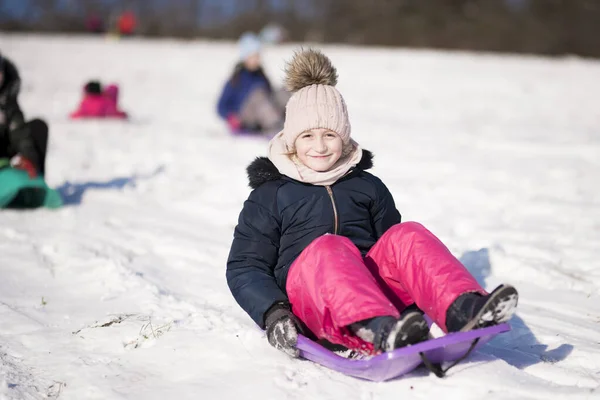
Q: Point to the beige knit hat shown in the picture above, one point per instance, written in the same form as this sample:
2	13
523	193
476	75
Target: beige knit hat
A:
316	102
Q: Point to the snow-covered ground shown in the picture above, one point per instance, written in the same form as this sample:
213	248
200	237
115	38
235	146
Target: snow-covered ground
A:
122	294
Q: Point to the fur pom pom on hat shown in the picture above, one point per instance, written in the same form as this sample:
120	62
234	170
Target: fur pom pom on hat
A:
316	103
309	67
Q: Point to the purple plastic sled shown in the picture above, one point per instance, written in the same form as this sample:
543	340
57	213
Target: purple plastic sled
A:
450	347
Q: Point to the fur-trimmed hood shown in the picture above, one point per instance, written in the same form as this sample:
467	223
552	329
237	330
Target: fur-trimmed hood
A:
262	170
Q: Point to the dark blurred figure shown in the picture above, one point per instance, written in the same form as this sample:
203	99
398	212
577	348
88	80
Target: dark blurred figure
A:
24	143
94	24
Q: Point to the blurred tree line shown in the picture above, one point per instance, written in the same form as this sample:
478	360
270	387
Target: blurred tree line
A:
551	27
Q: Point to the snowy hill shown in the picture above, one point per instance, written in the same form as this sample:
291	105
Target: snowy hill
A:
122	294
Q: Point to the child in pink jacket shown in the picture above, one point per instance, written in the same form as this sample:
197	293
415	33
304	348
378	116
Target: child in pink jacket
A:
320	249
98	103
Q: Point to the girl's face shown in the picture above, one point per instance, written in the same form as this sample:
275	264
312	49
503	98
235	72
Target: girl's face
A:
252	62
319	149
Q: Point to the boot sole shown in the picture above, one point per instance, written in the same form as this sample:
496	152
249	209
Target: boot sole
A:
412	330
499	308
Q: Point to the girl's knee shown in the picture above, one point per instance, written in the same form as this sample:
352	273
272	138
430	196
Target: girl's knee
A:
332	247
408	227
325	250
331	242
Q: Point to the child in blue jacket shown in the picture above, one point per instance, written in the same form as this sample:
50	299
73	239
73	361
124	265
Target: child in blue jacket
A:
248	102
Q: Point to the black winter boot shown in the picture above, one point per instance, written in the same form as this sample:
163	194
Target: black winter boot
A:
388	333
472	310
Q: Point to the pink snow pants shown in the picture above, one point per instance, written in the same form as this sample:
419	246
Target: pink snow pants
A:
330	285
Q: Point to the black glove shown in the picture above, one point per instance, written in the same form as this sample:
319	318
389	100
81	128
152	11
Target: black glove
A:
282	329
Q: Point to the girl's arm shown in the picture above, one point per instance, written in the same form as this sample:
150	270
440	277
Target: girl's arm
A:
224	105
253	257
384	214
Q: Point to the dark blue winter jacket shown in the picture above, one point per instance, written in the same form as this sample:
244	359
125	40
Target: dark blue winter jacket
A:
237	89
283	216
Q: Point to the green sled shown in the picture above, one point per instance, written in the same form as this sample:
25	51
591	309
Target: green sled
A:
17	190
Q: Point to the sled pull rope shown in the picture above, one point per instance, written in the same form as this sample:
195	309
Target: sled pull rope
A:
437	369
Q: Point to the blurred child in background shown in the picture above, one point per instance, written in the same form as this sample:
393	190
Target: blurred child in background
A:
22	142
23	146
99	103
248	102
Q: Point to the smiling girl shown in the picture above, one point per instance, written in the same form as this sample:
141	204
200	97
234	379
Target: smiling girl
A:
319	247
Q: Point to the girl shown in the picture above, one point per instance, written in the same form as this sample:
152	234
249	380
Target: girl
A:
248	102
319	247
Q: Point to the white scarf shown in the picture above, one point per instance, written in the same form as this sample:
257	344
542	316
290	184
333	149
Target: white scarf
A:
292	167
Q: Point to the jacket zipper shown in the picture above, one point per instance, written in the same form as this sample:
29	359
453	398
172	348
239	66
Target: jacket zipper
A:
335	214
